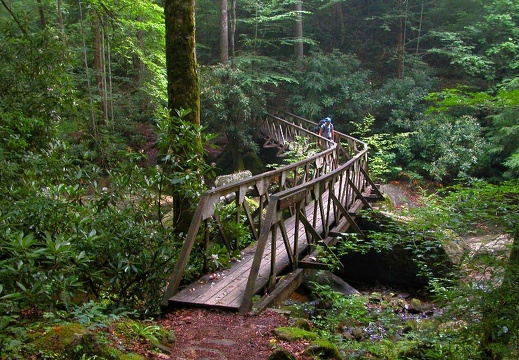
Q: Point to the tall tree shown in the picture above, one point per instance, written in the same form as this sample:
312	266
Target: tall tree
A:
224	32
183	143
299	30
181	64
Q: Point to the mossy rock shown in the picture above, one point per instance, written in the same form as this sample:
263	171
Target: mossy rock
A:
296	311
59	337
74	341
281	354
304	324
293	334
323	349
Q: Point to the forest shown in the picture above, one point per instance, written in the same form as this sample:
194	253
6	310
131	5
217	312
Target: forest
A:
115	115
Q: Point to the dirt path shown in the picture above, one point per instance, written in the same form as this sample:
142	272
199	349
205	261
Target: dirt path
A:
219	335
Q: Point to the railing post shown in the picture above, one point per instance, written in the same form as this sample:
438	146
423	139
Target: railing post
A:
246	303
183	256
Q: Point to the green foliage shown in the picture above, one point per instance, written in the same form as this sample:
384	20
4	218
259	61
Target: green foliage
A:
53	231
183	166
233	223
330	84
299	149
143	331
233	101
343	310
382	148
266	25
485	48
502	108
444	149
400	102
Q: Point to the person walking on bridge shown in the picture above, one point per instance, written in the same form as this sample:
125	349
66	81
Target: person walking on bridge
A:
326	130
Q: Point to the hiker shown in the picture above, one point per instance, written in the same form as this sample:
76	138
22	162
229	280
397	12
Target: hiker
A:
326	130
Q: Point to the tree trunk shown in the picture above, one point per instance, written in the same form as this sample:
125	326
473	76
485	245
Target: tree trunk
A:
43	22
181	65
233	26
339	15
99	67
400	47
419	29
60	17
141	70
224	33
298	33
183	90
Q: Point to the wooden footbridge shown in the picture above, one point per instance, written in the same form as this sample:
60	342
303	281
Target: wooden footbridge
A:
303	208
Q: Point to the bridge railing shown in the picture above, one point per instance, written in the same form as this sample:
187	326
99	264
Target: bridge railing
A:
347	146
280	130
319	207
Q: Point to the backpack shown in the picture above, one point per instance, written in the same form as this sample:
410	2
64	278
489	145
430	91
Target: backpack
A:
320	125
327	130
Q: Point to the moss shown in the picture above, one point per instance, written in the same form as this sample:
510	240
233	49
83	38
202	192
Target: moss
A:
303	324
59	337
323	349
296	311
112	353
74	341
281	354
294	334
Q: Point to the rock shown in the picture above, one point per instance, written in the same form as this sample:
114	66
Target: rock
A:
415	306
357	333
353	333
332	280
303	324
375	297
323	349
232	178
293	334
297	311
281	354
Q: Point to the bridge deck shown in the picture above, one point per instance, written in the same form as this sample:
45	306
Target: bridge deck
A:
225	289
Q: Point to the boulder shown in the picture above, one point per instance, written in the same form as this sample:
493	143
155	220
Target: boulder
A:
328	278
231	178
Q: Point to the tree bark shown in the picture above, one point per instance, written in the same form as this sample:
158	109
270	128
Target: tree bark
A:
224	32
183	90
43	22
298	32
339	14
99	67
233	26
181	65
60	18
400	47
